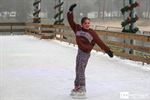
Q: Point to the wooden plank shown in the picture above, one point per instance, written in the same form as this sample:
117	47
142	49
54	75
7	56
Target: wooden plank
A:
44	36
43	25
124	45
47	31
124	35
12	24
114	28
13	30
39	31
133	57
33	25
62	27
55	26
37	35
60	33
32	30
47	26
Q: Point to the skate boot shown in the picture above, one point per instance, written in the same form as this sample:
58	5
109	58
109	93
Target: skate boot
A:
79	92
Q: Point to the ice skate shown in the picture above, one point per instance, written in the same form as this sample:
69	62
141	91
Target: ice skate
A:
78	93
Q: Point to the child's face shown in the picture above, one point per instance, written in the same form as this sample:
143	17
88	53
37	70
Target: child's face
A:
86	24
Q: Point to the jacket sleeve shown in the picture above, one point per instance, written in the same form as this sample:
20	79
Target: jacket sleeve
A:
70	18
99	42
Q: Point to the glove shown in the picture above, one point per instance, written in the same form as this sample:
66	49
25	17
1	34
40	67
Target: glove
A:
72	7
110	53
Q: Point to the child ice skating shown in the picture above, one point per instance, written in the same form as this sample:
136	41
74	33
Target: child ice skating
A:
86	38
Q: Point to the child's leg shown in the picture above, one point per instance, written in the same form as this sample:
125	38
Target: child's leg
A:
81	62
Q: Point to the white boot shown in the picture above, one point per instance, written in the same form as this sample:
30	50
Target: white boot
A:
79	92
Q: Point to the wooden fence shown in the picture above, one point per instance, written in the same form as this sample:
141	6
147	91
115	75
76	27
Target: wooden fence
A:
64	33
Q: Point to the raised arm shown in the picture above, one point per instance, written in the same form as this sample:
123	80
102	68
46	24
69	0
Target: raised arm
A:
70	17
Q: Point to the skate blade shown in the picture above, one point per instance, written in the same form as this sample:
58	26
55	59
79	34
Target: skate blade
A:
79	97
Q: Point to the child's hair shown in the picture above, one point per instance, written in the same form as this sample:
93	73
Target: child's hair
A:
84	19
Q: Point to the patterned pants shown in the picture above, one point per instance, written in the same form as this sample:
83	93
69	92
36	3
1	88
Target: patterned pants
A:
81	62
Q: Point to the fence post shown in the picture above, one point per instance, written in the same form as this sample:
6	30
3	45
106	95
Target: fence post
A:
11	28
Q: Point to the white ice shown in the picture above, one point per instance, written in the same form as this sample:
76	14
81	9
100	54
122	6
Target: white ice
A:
34	69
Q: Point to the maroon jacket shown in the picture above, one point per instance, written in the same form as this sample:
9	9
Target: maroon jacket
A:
85	39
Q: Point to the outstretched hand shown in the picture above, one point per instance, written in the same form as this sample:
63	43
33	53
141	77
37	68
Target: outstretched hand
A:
72	7
110	53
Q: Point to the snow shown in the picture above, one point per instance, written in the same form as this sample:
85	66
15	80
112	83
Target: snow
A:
34	69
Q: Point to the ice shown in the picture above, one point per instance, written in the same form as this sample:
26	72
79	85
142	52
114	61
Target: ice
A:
35	69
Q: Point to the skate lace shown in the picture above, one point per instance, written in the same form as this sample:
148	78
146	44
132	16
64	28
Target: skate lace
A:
77	88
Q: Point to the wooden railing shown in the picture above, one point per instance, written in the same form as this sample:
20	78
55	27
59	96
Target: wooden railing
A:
64	33
135	37
12	27
40	30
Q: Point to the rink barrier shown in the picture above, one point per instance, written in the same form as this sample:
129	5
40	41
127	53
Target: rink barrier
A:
39	30
12	27
64	33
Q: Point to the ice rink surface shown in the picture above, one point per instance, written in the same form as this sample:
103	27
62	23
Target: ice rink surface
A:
34	69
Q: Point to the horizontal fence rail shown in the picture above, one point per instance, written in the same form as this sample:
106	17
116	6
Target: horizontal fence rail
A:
12	24
12	27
